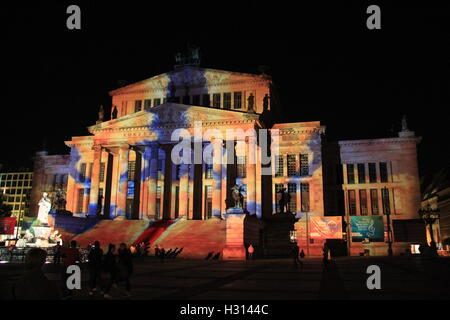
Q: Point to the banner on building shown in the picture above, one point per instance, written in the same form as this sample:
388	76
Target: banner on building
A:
7	225
367	227
325	228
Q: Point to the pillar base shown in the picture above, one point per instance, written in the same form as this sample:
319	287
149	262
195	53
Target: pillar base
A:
234	253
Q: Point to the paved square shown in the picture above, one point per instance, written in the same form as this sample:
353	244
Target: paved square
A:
345	278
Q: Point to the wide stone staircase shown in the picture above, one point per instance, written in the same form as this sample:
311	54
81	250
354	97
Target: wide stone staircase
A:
196	237
113	231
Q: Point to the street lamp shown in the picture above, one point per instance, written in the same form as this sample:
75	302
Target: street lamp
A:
430	216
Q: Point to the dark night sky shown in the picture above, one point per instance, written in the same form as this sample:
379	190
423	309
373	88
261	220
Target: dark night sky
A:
325	63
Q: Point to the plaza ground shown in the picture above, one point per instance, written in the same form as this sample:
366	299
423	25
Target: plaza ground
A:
180	279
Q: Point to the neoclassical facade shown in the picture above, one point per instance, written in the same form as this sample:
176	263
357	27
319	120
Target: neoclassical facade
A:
125	167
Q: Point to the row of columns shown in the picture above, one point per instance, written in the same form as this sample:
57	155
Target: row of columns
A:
191	184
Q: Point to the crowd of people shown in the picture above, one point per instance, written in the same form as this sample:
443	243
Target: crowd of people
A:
105	272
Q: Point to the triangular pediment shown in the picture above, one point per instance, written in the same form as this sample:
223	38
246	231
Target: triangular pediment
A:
188	76
178	115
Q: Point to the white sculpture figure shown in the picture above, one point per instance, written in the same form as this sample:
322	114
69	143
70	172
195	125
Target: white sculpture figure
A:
44	207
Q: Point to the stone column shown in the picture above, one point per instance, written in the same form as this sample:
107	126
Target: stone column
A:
95	177
152	179
124	153
251	174
145	176
137	184
184	184
167	200
258	183
217	178
191	188
223	195
115	176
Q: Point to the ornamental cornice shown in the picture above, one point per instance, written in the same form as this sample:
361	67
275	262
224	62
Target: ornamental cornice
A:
248	85
386	141
172	126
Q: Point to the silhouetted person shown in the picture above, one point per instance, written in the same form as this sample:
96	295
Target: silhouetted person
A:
57	254
302	254
209	255
110	266
157	251
325	251
217	256
162	254
95	267
250	251
295	256
34	285
125	267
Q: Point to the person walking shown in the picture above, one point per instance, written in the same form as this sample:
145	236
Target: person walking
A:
57	254
295	256
250	251
110	267
125	267
95	268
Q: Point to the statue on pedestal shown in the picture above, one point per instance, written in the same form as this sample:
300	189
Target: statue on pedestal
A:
237	196
404	123
44	207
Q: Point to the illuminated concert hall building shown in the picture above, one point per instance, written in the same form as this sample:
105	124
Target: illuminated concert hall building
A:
123	169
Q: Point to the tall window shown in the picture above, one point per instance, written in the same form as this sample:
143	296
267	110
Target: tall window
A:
238	100
208	199
361	173
241	167
363	202
227	100
160	168
158	202
291	165
147	103
156	102
352	202
131	170
304	195
102	172
278	188
279	163
196	100
350	173
374	201
372	173
216	100
137	105
205	100
80	200
208	170
91	165
383	172
385	201
82	176
304	165
292	189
